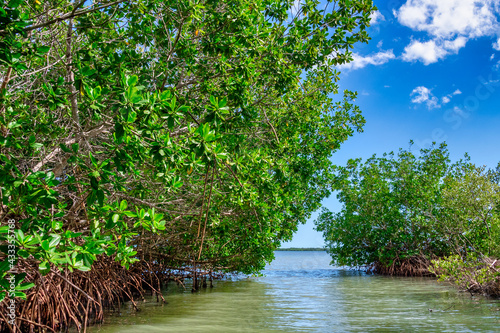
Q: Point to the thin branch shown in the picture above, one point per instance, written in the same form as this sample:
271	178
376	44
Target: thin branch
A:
2	87
162	87
73	285
36	324
71	77
91	133
269	123
203	201
208	211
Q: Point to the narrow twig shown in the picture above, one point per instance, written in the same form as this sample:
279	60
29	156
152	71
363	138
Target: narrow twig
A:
7	322
6	80
203	202
208	210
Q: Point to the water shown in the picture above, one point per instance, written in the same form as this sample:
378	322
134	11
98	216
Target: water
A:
301	292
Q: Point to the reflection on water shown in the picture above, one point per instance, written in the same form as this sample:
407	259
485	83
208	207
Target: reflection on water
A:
300	292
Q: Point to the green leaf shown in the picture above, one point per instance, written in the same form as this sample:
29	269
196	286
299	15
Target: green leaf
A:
14	3
223	102
100	197
93	160
44	267
165	95
94	183
132	115
20	294
119	131
83	268
110	251
213	101
25	286
65	148
4	265
13	124
56	225
87	71
132	80
41	50
20	235
55	240
46	245
123	205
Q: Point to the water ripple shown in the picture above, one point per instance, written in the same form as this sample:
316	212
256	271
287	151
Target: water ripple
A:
301	292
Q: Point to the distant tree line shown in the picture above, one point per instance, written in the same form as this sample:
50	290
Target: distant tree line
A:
301	249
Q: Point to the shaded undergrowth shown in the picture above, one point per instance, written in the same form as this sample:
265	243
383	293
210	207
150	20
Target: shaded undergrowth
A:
62	300
411	266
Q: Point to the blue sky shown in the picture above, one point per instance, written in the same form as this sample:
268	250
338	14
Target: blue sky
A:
430	73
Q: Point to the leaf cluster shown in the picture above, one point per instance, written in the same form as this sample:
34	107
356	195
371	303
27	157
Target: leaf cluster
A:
187	133
403	206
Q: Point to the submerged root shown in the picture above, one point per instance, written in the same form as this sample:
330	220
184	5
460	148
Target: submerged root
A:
411	266
61	300
479	275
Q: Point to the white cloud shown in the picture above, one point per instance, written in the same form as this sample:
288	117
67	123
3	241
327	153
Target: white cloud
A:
428	52
492	56
492	82
421	95
379	44
449	18
432	51
376	59
496	45
424	95
455	45
446	99
376	17
449	24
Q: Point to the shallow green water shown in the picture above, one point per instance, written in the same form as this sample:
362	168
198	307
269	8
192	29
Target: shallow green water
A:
300	292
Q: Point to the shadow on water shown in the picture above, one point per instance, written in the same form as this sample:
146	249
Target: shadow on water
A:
300	292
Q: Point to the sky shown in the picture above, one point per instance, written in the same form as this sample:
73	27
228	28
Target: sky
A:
431	72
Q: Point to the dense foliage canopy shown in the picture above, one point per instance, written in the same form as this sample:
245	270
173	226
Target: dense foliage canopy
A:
173	133
402	210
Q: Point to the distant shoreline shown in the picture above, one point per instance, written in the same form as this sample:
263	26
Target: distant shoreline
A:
301	249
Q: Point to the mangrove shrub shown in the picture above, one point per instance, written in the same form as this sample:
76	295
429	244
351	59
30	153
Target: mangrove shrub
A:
402	210
161	136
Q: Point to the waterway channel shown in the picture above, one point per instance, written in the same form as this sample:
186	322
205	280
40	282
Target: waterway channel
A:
301	292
